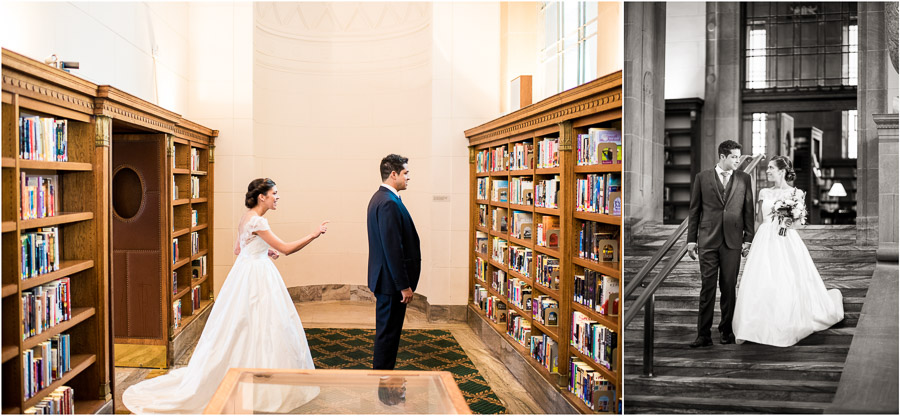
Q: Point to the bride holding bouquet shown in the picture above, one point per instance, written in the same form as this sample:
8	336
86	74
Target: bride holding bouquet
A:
781	298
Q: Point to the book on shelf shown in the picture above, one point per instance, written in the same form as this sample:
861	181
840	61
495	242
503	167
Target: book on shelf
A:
174	283
546	193
594	340
522	225
597	291
43	138
479	294
174	189
498	281
520	260
545	310
480	268
40	252
598	242
590	386
599	147
482	161
60	402
546	352
38	196
500	190
548	231
547	271
522	156
176	314
46	363
519	328
174	250
499	221
482	188
548	153
198	267
46	306
195	298
521	191
195	158
499	158
194	218
195	186
519	293
599	193
481	242
482	215
499	252
195	243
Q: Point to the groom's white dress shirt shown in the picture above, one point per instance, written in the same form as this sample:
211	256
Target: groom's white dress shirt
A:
720	171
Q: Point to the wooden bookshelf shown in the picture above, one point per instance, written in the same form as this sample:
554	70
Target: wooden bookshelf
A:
183	162
681	156
565	116
31	88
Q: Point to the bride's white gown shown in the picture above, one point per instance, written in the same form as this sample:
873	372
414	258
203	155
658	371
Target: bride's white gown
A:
781	298
253	324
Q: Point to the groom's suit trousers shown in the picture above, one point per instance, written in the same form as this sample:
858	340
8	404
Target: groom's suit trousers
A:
389	315
717	265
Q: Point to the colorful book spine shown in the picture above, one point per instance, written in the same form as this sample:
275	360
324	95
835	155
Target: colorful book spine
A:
482	161
46	306
46	363
40	252
60	402
176	313
37	196
43	138
548	153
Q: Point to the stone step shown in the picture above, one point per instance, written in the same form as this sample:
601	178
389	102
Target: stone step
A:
691	286
765	369
717	405
687	301
634	345
825	254
674	328
733	388
664	316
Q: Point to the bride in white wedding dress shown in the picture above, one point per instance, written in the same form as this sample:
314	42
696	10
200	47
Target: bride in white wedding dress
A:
781	298
253	324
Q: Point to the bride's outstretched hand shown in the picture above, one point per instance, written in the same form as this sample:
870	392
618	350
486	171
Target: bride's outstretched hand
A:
322	228
273	254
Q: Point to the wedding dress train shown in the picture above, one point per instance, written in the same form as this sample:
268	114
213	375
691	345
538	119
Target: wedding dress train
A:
253	324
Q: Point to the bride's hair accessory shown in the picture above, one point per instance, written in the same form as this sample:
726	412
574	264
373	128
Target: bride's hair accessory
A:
257	187
783	163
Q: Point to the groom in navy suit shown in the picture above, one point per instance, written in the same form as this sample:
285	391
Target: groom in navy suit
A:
394	259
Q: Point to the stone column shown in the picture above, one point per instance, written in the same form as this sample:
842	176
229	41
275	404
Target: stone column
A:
871	99
722	106
888	203
644	118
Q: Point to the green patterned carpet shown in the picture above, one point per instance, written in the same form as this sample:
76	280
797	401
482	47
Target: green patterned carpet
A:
420	349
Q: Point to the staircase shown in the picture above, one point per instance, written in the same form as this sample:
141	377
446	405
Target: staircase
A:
748	378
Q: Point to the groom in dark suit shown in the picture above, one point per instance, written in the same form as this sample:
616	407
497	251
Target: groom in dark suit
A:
394	259
721	221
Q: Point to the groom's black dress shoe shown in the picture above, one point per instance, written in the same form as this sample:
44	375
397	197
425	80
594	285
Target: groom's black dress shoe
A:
727	339
701	342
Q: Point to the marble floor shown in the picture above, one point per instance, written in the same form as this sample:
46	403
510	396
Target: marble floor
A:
351	314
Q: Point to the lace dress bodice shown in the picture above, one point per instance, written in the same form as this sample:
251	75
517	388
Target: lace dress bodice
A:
251	245
768	196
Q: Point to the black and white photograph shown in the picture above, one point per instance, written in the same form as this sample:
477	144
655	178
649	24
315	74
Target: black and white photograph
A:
760	207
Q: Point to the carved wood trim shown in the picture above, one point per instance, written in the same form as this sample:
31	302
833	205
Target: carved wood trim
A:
103	131
597	96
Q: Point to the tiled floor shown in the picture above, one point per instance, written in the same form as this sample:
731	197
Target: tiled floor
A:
347	314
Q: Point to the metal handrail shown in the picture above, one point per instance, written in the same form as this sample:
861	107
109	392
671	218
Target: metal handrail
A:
646	299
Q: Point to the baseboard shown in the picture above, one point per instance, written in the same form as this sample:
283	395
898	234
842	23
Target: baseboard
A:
544	393
361	293
187	339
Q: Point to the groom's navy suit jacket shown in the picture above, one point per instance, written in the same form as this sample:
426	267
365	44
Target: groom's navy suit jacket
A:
394	257
721	215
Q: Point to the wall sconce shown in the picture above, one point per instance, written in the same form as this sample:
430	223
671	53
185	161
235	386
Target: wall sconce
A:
837	190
